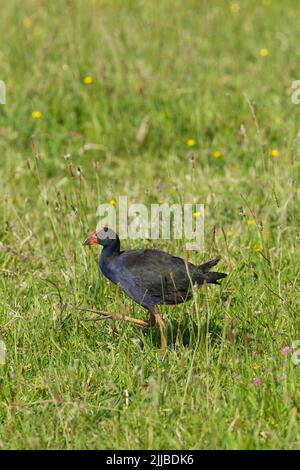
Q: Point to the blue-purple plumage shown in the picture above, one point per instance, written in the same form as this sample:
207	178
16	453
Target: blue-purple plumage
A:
152	277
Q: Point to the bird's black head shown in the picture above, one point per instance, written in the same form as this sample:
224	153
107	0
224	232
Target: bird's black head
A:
103	236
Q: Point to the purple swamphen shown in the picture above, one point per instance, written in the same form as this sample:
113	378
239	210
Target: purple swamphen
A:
149	277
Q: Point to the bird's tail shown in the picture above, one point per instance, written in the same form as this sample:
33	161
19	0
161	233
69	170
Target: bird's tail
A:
210	264
213	277
208	276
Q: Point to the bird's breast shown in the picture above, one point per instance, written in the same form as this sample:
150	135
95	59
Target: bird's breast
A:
109	268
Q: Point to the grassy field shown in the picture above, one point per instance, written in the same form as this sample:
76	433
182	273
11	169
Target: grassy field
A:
101	99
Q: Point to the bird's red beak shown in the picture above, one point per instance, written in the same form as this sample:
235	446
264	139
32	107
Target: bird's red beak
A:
91	240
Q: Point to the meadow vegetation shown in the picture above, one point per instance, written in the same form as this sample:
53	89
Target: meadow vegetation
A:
165	101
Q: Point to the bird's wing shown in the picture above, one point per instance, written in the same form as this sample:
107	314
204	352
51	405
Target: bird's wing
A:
156	272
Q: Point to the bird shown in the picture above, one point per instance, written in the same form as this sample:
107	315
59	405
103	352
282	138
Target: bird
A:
150	277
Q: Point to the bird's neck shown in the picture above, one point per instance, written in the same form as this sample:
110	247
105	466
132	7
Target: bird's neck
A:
111	250
108	254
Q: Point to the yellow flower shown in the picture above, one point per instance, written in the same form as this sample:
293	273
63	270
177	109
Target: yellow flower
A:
234	7
112	202
191	142
27	23
36	114
251	222
230	233
88	80
256	249
217	154
256	366
196	214
274	153
264	52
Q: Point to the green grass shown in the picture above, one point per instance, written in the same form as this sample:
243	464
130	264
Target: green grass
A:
192	69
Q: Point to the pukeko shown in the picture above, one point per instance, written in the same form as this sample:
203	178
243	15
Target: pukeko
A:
150	277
